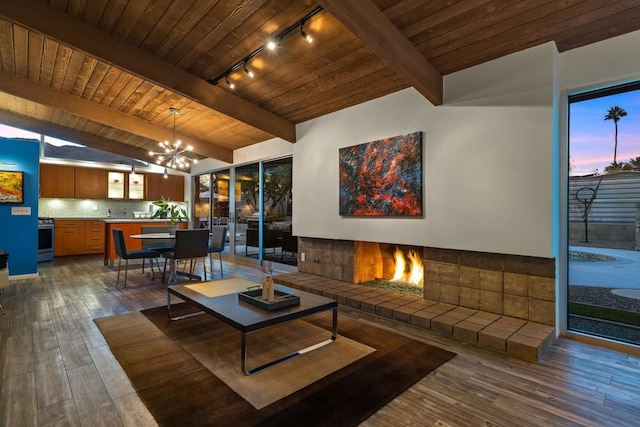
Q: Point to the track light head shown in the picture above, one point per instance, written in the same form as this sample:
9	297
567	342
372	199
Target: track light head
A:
248	72
230	84
272	44
304	34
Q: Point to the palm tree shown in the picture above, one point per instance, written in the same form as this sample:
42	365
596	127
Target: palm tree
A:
618	167
615	114
634	163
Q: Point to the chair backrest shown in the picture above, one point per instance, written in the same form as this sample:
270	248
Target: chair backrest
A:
118	242
218	238
191	243
147	229
223	220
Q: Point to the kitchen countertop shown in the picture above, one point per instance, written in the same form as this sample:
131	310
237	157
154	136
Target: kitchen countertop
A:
116	220
111	220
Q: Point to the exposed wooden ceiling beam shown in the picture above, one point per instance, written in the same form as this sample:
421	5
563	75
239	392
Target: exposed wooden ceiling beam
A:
39	17
32	91
373	28
72	135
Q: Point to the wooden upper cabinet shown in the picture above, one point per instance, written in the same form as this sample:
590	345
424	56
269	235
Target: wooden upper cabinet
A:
169	188
90	183
57	181
136	186
115	185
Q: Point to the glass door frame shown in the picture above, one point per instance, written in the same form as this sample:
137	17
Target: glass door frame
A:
561	219
233	217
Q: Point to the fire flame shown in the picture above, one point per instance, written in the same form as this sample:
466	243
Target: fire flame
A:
415	275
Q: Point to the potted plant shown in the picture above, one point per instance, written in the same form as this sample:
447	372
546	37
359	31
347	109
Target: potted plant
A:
169	211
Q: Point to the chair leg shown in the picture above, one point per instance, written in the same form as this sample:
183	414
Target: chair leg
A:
126	270
221	272
204	267
119	264
2	309
143	260
153	273
164	270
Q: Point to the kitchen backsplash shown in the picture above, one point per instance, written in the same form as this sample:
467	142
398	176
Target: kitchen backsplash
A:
74	208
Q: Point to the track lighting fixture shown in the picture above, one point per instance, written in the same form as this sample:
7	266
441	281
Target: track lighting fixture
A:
230	84
248	71
304	35
271	45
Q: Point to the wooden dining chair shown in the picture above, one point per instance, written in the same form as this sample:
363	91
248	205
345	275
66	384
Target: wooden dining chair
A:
124	253
217	244
189	245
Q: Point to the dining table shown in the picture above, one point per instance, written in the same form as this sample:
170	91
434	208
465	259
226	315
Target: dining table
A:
160	236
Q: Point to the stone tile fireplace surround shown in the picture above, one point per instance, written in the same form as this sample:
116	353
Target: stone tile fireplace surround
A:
511	285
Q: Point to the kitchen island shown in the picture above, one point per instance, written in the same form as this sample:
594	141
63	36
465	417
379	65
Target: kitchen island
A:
129	226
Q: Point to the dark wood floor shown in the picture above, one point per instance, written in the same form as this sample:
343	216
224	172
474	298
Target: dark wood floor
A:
57	369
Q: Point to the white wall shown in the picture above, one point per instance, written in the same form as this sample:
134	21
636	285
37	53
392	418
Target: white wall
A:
607	62
488	161
269	149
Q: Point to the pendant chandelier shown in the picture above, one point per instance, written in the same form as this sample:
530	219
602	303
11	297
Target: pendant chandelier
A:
172	154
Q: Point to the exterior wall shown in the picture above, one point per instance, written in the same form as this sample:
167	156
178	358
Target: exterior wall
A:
625	234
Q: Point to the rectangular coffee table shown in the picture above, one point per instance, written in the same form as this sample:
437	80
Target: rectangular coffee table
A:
219	298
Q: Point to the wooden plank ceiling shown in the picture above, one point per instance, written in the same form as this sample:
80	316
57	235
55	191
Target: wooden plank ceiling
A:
106	72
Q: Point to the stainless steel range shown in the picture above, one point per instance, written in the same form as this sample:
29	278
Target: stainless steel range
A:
45	239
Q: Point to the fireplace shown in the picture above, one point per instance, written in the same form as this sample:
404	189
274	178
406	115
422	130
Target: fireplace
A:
512	285
397	263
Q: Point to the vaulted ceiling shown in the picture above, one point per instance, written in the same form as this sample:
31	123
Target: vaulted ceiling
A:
106	72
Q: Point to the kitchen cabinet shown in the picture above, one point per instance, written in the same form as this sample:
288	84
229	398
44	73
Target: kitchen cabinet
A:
78	237
93	237
90	183
136	186
169	188
115	183
125	186
57	181
69	237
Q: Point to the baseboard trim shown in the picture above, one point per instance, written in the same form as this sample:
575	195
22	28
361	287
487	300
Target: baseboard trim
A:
23	276
604	342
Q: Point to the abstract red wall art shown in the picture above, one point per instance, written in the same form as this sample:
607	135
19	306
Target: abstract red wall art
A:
382	178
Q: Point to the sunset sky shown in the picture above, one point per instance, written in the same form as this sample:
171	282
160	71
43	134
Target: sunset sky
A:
591	138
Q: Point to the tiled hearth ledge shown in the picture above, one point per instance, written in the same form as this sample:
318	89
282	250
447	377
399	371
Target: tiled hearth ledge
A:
517	337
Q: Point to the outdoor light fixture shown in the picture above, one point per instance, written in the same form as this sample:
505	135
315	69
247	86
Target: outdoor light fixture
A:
271	44
165	175
171	154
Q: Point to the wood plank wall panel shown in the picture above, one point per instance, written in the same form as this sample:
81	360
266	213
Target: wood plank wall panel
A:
300	81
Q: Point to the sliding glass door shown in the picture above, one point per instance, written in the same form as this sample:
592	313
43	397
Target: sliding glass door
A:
255	202
247	211
211	201
604	213
278	242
